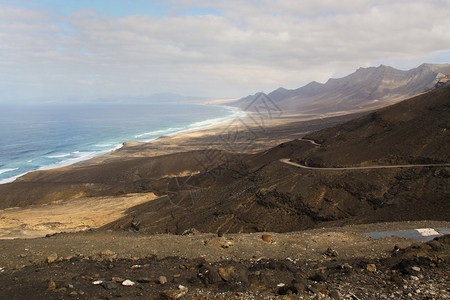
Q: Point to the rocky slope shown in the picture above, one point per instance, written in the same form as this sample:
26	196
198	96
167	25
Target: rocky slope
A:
259	193
413	131
364	89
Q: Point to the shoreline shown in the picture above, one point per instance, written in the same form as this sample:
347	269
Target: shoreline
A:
236	113
247	119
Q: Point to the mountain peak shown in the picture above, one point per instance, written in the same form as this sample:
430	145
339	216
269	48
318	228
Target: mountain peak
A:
366	88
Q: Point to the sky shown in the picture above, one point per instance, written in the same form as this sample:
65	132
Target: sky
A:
87	49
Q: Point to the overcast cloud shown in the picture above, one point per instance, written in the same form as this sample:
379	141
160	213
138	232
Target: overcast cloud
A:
233	49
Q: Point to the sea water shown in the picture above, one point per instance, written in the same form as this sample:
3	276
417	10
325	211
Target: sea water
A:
46	136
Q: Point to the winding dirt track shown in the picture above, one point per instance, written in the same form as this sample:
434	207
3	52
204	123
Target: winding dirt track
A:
287	161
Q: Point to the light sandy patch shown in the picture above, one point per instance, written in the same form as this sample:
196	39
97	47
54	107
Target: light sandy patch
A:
182	174
68	216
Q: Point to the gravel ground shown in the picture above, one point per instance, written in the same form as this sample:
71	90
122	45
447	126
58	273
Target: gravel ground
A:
332	263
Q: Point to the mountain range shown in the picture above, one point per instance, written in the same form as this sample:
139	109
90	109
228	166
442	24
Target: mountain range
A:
365	89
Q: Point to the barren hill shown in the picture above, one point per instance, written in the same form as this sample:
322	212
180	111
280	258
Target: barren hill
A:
259	193
364	89
413	131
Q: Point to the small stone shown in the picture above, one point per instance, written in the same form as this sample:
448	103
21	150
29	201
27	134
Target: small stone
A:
209	275
227	273
70	286
52	258
144	280
128	282
346	266
51	285
190	231
415	278
227	244
117	279
110	285
267	238
98	281
417	269
177	276
175	294
187	267
134	267
162	279
73	294
371	267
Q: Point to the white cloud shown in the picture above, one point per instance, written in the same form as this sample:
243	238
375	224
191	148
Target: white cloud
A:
250	46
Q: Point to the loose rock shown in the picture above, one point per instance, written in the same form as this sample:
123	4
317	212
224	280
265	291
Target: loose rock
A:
73	294
175	294
144	280
162	280
110	285
51	285
128	283
371	267
267	238
226	274
52	258
98	281
134	267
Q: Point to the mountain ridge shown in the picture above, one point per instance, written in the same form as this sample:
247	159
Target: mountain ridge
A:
366	88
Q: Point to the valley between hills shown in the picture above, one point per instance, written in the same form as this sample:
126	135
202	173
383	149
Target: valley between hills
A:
272	205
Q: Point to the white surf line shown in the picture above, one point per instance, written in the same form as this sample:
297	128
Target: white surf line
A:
287	161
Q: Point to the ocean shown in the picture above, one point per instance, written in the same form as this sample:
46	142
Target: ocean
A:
47	136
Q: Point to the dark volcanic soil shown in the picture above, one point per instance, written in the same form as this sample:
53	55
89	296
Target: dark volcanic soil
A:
252	193
338	263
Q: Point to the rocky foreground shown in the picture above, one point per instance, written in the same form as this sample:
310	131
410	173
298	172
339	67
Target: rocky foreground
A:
333	263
